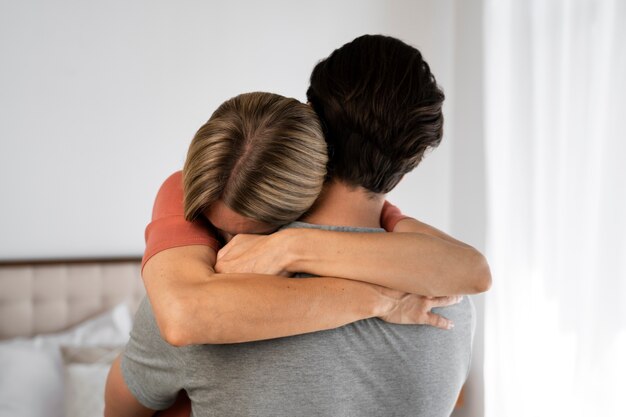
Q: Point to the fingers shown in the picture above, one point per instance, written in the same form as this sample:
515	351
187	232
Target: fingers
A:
445	301
236	245
232	243
439	321
222	252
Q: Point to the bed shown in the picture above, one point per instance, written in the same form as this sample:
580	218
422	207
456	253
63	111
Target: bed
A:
61	324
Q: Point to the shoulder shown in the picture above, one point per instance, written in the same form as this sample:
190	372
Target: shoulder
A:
169	199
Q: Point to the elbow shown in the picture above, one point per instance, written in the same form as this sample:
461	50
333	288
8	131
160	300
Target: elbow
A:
481	274
179	326
172	317
173	324
175	336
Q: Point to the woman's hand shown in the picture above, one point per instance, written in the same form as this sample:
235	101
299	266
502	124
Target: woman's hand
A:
259	254
416	309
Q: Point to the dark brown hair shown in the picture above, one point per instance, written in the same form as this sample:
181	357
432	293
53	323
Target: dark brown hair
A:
380	108
262	154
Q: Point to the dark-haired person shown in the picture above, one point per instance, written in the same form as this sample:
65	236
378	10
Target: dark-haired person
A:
381	109
290	375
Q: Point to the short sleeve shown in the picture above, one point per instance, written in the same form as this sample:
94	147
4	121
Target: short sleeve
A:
390	216
152	369
168	228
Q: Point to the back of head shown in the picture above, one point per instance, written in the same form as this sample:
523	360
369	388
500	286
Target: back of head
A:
262	154
380	107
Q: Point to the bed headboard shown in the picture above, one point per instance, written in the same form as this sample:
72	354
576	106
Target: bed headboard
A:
49	296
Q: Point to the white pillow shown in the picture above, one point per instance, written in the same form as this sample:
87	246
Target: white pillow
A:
86	370
31	382
84	389
32	370
108	329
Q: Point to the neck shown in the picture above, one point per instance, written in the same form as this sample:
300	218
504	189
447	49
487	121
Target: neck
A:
342	205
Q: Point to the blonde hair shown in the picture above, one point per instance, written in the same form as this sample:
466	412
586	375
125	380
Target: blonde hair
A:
262	154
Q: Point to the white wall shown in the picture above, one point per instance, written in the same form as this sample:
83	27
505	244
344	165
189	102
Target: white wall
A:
100	100
468	190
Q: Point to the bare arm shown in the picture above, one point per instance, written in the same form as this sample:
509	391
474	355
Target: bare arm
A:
118	400
193	304
416	258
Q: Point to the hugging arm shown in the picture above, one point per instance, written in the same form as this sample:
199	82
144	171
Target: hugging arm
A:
416	258
193	304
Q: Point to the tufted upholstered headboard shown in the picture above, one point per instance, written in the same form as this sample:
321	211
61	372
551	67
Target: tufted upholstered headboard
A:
49	296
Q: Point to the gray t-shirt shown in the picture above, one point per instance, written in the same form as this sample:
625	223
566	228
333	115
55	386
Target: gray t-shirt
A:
367	368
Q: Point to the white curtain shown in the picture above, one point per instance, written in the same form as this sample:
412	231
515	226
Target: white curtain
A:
555	88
